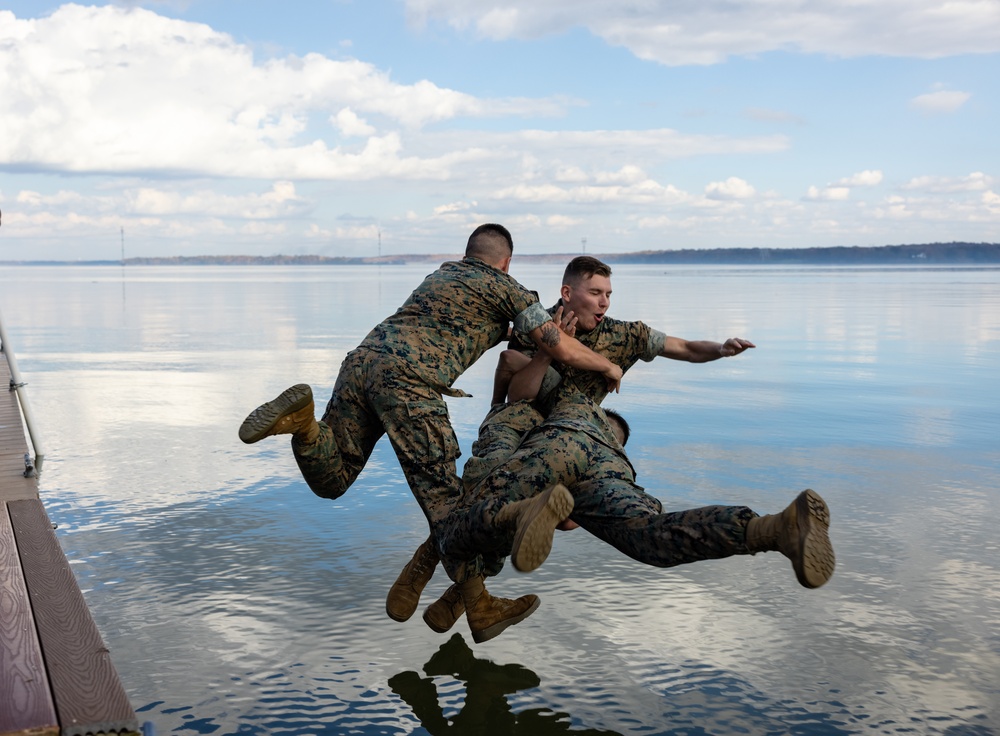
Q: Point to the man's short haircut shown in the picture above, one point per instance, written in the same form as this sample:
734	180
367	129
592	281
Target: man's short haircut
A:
583	267
490	242
614	416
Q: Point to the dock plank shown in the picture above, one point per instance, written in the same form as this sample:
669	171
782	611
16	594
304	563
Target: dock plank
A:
28	706
13	444
88	695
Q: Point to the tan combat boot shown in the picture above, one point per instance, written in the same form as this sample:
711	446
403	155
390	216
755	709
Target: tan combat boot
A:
489	616
292	412
442	614
536	519
404	595
800	533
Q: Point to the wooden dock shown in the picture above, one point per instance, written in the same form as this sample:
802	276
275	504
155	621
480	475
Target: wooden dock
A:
56	675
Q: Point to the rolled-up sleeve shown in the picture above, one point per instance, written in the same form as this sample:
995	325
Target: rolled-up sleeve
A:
654	345
531	318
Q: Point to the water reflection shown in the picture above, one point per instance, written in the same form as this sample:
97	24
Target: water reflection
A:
234	601
485	708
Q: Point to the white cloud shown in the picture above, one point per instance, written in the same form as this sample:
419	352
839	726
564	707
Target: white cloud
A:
113	90
827	193
562	222
730	189
600	148
991	200
841	190
348	122
708	32
974	182
862	179
455	207
280	201
644	192
943	101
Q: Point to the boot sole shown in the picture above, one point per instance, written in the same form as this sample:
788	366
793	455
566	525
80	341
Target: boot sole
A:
261	421
496	629
816	559
533	540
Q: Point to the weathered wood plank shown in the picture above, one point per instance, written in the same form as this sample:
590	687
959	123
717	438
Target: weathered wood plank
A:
13	444
88	695
24	687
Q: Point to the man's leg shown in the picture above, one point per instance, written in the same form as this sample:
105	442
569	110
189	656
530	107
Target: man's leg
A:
416	421
620	513
499	435
347	434
630	520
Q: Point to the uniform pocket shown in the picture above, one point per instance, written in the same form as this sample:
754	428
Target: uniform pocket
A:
427	437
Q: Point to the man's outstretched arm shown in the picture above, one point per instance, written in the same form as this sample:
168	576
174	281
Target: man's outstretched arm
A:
702	351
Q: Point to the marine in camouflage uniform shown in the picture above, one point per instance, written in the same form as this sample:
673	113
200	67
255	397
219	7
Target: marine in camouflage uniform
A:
394	383
575	446
586	292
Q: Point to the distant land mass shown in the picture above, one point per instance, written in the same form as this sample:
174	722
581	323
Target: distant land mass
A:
927	254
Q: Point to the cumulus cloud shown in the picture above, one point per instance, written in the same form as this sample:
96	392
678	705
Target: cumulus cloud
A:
730	189
114	90
708	32
348	122
991	200
841	190
942	101
862	179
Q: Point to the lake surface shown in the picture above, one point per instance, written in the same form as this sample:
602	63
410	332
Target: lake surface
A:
233	600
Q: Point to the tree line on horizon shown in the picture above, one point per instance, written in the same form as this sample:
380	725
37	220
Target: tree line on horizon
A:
930	253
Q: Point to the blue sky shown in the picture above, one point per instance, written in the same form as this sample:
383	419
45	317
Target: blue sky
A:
222	127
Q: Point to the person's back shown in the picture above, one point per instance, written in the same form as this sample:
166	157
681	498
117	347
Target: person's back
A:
449	321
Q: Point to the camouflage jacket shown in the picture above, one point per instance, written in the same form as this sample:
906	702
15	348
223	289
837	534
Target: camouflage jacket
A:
456	314
623	343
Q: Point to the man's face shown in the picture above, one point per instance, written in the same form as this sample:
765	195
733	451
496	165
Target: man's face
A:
588	300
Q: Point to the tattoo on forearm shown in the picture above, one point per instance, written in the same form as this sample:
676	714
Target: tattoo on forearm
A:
550	334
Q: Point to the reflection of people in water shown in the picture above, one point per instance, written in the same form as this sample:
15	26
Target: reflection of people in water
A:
486	710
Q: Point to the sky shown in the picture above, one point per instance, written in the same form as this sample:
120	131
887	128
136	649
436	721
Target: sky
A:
366	127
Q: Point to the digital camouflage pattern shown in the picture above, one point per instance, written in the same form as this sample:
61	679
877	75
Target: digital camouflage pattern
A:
623	343
499	436
575	446
458	313
392	384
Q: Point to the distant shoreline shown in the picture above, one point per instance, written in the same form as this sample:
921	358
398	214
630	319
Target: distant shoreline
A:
926	254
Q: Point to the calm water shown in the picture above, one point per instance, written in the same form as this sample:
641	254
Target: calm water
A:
235	601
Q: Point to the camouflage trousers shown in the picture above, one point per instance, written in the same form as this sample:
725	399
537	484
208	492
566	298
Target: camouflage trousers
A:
607	503
375	395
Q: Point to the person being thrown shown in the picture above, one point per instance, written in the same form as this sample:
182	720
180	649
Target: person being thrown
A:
585	297
393	384
579	447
